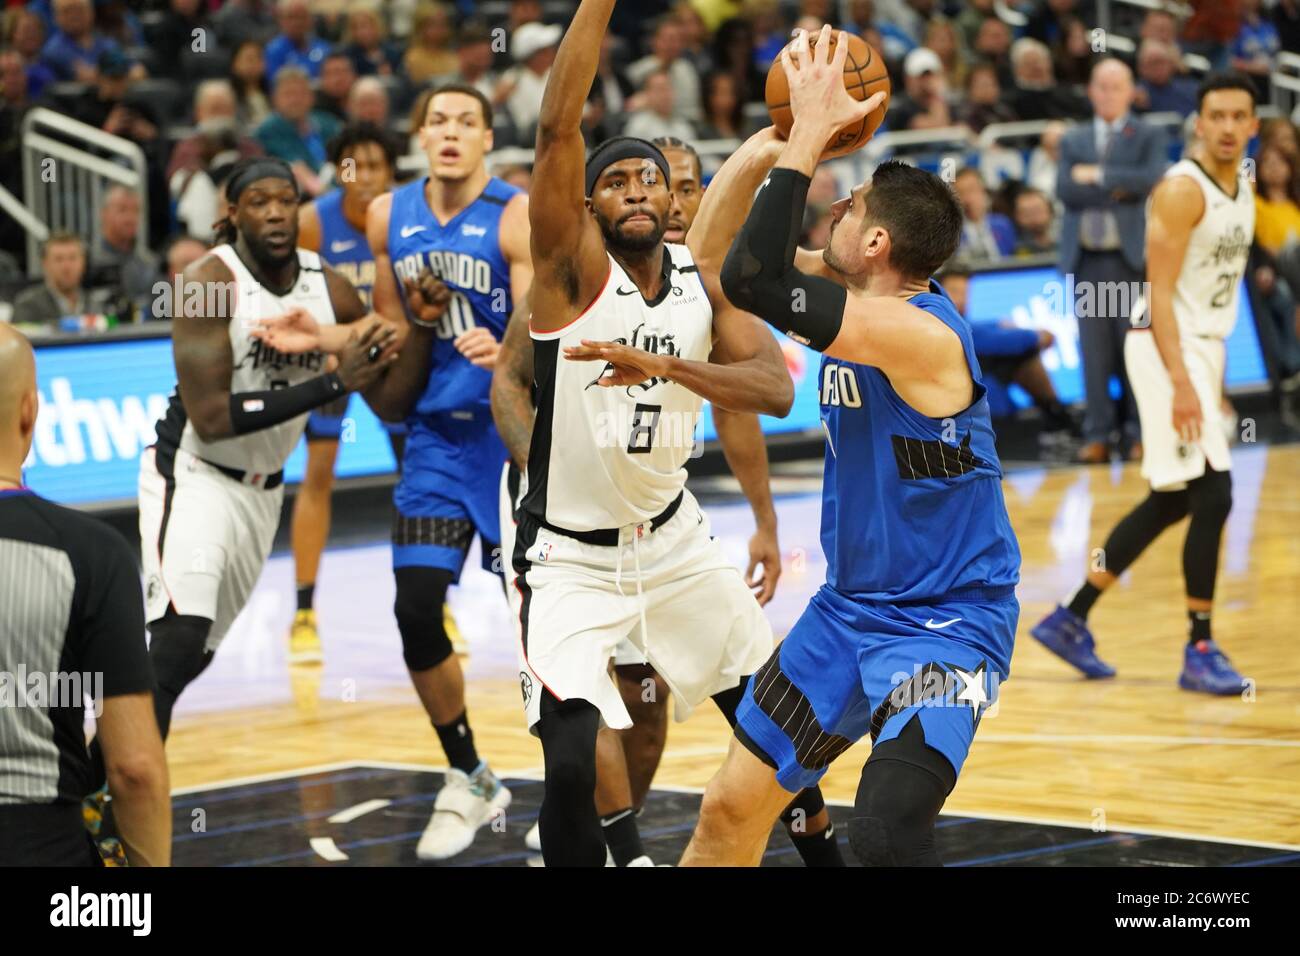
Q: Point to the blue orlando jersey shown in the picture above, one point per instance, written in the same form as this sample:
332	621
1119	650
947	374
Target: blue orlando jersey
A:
466	255
343	247
912	506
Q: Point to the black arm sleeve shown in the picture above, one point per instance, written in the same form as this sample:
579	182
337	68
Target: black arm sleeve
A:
253	411
759	274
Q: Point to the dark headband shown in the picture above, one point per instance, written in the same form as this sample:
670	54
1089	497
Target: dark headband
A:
624	147
241	179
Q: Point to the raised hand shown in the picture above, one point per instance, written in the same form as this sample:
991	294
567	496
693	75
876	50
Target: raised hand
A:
815	75
427	296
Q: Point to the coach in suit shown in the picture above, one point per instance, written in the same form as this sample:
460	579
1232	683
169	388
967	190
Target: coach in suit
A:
1108	167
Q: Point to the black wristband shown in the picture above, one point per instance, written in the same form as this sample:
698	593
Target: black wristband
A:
759	274
253	411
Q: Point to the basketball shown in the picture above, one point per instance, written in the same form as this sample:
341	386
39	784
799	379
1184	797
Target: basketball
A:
864	74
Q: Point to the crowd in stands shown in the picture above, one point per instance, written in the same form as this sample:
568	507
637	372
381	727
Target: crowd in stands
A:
198	84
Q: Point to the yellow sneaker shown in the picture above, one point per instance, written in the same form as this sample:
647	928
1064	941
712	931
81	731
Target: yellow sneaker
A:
453	633
304	642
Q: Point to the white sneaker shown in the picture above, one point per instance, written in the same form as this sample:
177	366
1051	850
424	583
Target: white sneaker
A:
642	861
533	839
464	804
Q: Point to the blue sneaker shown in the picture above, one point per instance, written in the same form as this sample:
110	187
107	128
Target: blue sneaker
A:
1207	669
1066	635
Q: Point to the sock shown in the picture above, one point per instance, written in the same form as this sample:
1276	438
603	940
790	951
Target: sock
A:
818	849
458	744
621	836
1055	416
306	594
1199	627
1083	600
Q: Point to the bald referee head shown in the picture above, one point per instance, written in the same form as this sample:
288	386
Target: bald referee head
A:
18	402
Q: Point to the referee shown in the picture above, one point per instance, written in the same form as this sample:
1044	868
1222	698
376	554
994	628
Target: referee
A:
71	624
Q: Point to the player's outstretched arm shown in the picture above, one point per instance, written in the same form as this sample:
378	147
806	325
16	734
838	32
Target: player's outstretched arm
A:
568	251
722	211
512	384
1176	207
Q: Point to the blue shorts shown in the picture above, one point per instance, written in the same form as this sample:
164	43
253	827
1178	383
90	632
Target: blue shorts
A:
851	668
449	490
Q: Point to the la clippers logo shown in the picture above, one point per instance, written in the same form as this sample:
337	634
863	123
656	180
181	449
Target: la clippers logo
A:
525	687
657	343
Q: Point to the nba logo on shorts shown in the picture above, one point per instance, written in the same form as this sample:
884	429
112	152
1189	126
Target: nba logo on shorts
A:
545	552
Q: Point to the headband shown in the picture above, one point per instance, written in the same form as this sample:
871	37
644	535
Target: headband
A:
624	147
258	169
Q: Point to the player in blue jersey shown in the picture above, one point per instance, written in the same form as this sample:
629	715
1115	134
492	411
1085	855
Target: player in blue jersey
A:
334	226
913	629
451	254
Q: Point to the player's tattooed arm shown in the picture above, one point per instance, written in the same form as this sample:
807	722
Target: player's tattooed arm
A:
512	384
1176	207
201	348
568	251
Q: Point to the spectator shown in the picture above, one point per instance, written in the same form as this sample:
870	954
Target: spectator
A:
14	103
724	113
1107	169
985	236
1037	95
667	45
984	104
74	49
181	252
612	84
1049	21
430	52
296	44
695	38
533	48
659	117
25	34
908	17
993	43
1037	232
1282	133
924	103
336	79
70	605
519	176
1013	355
1043	159
1160	88
368	103
1256	46
1211	29
970	19
115	262
217	144
1072	54
474	62
1275	266
771	32
364	41
295	132
15	95
1286	14
116	22
1161	25
174	38
941	37
63	267
248	80
245	21
733	46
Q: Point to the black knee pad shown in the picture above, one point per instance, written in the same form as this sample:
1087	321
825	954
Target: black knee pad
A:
1210	496
178	654
903	787
421	593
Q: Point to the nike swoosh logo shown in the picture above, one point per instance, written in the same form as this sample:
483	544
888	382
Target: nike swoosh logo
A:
409	231
342	246
936	627
620	291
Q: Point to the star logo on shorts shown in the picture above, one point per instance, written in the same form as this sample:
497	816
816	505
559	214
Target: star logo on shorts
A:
972	690
526	686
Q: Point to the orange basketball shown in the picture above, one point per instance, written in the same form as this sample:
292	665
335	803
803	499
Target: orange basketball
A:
864	75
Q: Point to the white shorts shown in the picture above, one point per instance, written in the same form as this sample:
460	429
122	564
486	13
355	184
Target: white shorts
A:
626	652
204	538
1168	462
577	602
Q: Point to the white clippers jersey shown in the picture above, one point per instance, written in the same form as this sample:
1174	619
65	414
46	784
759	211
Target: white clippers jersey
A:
604	457
1205	296
258	367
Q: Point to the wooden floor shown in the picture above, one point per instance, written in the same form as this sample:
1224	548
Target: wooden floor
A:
1131	753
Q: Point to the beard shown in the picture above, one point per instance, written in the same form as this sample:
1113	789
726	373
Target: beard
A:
265	257
620	241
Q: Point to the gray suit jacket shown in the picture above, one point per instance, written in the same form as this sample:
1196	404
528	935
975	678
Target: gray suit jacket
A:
1135	161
